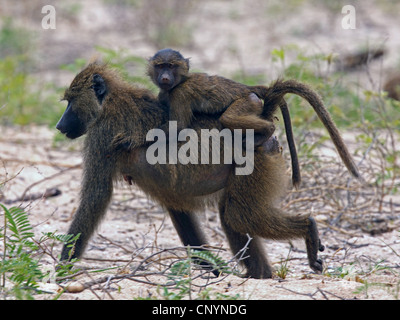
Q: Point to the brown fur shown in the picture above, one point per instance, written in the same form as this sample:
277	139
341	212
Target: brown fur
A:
392	87
188	94
354	61
103	106
238	106
273	95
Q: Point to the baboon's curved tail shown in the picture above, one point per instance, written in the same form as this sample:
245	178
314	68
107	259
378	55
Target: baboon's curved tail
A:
273	96
296	176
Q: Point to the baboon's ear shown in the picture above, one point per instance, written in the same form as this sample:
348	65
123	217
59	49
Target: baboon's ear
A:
99	87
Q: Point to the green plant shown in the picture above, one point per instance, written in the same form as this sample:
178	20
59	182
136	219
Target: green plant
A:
392	288
283	269
14	40
366	286
20	268
20	102
215	262
24	272
23	99
180	280
181	276
69	240
344	272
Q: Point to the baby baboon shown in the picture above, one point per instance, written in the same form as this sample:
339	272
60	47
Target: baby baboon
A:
103	106
189	94
238	107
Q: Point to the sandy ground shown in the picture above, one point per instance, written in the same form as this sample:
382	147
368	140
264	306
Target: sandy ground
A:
135	228
225	36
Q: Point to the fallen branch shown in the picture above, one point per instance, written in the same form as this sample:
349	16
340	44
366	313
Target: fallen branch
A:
51	192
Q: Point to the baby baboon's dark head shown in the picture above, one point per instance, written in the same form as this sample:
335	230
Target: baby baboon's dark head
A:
168	68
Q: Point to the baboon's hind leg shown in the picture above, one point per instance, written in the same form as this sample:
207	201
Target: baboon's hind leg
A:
244	113
313	244
255	260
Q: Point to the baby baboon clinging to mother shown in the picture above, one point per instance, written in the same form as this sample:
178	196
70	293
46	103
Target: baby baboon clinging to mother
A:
237	106
188	94
103	106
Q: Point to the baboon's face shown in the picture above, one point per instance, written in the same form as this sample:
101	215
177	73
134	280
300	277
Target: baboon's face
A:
84	96
166	76
168	68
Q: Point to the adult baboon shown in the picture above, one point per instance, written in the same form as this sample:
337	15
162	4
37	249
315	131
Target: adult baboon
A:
103	106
